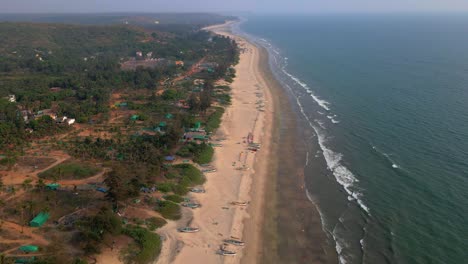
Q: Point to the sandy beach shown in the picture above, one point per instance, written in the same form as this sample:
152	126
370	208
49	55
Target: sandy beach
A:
241	174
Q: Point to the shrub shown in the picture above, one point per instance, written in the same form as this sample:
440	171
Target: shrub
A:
154	223
203	154
149	244
174	198
214	120
169	210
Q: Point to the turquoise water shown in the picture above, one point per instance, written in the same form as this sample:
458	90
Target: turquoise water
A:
386	98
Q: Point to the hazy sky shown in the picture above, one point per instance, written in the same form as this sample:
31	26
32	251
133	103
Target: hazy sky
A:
277	6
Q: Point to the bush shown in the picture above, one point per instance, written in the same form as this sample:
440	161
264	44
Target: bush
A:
165	187
174	198
169	210
214	120
190	172
203	154
149	244
154	223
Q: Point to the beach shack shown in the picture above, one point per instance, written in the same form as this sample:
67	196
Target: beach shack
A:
39	220
29	248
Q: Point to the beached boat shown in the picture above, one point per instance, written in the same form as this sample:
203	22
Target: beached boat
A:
208	170
240	203
234	242
191	205
188	229
224	252
197	190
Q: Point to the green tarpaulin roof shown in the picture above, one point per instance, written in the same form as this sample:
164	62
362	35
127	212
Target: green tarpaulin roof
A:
29	248
53	186
134	117
39	220
162	124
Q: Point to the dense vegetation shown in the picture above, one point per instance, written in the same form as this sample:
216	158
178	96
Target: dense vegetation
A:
132	121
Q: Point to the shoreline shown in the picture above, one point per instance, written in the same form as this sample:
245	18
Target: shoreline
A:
278	226
217	218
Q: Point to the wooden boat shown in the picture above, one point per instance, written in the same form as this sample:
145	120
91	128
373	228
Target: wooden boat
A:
197	190
234	242
191	205
224	252
208	170
188	229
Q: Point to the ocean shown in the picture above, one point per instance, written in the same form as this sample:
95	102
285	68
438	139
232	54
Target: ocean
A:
382	106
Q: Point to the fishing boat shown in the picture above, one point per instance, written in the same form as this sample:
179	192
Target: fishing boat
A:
191	205
240	203
208	170
224	252
188	229
234	242
197	190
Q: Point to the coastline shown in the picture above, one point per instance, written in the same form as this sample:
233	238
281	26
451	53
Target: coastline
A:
280	224
217	218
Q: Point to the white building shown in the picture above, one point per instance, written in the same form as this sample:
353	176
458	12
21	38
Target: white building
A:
11	98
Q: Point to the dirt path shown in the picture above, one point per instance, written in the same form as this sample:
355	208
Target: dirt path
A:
28	231
18	177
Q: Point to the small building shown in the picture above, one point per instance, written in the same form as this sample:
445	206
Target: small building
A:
149	55
179	63
29	248
169	158
162	124
134	117
11	98
70	121
39	220
53	186
197	126
139	54
169	116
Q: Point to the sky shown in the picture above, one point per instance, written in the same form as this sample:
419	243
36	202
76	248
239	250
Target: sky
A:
257	6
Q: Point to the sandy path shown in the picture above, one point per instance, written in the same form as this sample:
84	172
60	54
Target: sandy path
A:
218	219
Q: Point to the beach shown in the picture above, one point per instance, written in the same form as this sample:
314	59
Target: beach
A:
240	177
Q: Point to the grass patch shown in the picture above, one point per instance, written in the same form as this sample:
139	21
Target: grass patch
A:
149	245
70	170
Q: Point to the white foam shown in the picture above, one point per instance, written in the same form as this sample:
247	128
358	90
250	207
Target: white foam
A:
342	175
388	157
322	103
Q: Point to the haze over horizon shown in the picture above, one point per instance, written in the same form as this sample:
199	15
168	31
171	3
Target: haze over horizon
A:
259	6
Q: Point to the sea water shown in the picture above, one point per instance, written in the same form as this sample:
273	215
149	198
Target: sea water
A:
385	99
